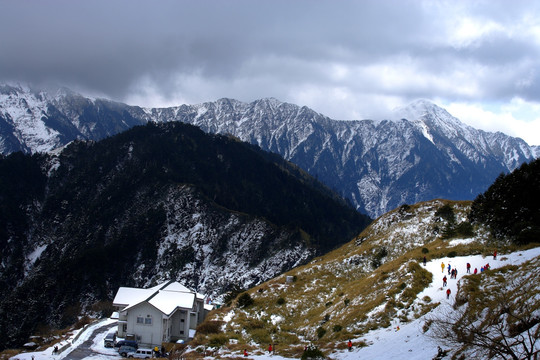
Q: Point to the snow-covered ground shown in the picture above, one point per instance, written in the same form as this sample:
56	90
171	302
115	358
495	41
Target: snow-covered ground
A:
408	342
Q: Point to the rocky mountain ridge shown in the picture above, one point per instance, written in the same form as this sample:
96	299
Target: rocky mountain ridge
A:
422	153
378	165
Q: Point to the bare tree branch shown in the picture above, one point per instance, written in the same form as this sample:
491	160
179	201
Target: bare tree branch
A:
494	316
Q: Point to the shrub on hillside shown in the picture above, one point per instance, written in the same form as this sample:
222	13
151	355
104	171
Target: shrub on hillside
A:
446	212
244	300
464	229
218	340
312	353
232	294
261	336
209	327
379	256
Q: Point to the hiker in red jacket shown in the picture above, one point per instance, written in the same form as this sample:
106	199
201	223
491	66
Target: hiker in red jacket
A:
448	293
349	345
495	255
468	268
444	281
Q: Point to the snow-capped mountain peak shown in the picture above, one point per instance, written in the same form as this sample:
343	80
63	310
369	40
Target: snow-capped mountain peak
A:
424	110
378	165
431	118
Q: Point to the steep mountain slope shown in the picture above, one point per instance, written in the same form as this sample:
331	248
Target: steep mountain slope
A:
391	290
422	154
377	292
155	202
35	120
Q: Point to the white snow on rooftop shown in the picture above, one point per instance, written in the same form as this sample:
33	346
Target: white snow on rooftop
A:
166	297
126	296
175	286
167	301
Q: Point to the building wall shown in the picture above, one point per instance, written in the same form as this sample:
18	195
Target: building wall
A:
201	314
179	325
160	330
149	332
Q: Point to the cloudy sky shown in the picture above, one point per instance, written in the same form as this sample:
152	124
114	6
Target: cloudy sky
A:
345	59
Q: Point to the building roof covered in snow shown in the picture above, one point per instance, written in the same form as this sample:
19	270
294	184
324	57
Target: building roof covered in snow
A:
166	297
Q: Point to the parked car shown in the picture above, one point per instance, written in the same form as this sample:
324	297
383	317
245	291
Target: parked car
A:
125	350
141	354
109	340
131	343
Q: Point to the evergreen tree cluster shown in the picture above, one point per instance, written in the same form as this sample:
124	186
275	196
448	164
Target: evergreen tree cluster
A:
98	210
511	205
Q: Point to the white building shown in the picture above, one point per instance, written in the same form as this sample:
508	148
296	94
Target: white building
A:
165	313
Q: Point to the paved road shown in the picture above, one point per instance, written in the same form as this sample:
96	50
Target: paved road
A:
84	350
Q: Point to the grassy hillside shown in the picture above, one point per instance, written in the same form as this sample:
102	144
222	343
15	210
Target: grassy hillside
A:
369	283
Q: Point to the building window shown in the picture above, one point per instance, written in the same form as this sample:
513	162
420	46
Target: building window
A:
144	320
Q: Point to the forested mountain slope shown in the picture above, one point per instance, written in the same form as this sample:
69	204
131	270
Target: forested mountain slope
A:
155	202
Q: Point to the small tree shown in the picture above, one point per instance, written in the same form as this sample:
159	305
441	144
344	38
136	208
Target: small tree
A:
312	353
321	332
245	300
503	324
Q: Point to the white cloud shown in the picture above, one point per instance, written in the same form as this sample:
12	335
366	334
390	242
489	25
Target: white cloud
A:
468	31
518	118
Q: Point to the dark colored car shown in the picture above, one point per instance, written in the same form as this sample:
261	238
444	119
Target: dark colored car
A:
125	350
131	343
109	340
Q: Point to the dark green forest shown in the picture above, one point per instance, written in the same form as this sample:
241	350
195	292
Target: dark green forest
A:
511	205
98	210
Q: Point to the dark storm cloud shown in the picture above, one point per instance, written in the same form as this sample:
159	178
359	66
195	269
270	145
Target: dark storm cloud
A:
108	45
347	59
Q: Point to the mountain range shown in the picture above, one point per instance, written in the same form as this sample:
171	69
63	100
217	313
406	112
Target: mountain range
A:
422	153
156	202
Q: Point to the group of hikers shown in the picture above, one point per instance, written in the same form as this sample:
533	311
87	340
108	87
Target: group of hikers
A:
453	272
